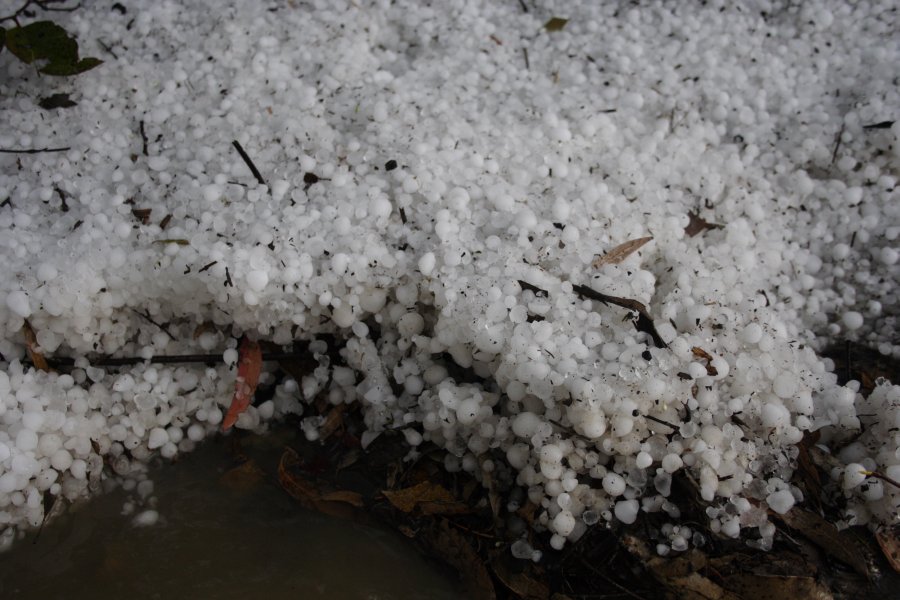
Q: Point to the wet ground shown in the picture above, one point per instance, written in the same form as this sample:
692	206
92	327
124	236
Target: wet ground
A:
221	534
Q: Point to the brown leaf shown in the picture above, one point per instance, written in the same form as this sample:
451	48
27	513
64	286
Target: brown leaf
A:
620	252
519	583
249	369
701	353
37	359
698	225
777	587
340	504
243	478
452	547
842	545
680	575
428	497
333	420
347	496
142	214
555	24
889	540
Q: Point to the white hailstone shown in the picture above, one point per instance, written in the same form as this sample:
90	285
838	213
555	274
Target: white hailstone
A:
564	523
852	320
751	334
196	432
410	324
854	474
257	280
61	460
26	440
551	461
230	356
626	511
467	411
672	462
774	414
643	460
147	518
18	303
426	263
526	424
785	384
614	484
158	437
780	501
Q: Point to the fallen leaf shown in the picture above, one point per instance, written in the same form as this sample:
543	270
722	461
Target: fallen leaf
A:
142	214
453	548
519	583
249	368
841	545
555	24
620	252
45	40
56	101
243	478
701	353
352	498
697	225
333	420
889	540
777	587
37	359
341	504
428	497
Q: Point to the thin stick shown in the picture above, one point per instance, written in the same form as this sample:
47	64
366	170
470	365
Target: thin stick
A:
143	137
644	322
161	327
523	5
250	165
125	361
32	150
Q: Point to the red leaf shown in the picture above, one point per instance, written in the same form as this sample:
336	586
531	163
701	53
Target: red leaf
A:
249	368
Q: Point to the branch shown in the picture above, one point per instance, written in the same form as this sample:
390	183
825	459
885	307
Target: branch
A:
250	165
32	150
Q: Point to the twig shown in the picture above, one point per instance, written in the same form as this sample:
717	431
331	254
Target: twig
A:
527	64
250	165
644	322
109	361
837	143
161	327
661	422
32	150
523	5
143	137
883	477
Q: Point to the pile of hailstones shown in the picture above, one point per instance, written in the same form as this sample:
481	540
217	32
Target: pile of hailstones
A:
597	438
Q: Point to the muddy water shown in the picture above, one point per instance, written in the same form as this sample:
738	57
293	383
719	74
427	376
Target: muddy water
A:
216	538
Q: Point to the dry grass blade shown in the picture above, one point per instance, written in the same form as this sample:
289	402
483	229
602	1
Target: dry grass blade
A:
37	359
620	252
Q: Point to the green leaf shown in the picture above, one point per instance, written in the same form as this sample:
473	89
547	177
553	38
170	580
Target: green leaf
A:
555	24
63	69
45	40
57	101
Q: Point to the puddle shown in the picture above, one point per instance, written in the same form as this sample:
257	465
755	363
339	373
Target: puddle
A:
216	541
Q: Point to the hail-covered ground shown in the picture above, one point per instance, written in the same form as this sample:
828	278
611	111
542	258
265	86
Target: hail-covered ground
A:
445	183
